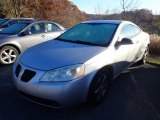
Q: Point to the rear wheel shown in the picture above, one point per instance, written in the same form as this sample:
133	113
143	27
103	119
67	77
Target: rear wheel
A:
99	87
8	55
144	58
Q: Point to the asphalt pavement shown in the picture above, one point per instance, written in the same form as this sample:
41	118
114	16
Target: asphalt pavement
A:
134	95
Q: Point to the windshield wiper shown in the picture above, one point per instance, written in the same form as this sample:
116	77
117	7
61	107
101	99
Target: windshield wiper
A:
65	40
85	42
61	39
77	41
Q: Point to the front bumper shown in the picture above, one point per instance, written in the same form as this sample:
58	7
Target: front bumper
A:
55	94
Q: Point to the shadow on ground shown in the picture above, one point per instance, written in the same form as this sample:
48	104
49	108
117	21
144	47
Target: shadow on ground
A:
135	94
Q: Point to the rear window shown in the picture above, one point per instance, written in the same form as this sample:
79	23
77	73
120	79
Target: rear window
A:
3	21
14	29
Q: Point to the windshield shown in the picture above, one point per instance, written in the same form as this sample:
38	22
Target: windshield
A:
14	29
90	33
3	21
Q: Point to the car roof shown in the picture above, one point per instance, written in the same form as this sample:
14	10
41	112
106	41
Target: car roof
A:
19	18
26	22
37	21
41	21
105	21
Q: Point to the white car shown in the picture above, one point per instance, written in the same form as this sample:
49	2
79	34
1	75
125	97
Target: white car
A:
79	65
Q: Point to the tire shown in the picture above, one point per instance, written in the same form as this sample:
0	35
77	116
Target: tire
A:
99	87
143	60
8	55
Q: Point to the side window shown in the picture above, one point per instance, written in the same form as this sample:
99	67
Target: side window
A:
130	31
127	31
137	30
51	27
36	28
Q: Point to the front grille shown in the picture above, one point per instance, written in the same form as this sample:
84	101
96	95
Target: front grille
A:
27	75
18	69
41	100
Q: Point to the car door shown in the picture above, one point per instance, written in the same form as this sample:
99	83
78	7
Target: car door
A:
33	35
52	30
135	47
123	52
137	39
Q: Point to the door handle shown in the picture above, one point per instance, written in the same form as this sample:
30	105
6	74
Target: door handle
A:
137	42
43	36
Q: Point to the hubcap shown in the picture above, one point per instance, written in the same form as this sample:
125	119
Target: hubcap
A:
8	56
101	86
145	55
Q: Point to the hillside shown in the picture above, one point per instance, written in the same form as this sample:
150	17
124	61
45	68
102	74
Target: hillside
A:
61	11
143	18
68	14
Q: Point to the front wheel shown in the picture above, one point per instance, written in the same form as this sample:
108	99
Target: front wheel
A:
8	55
99	87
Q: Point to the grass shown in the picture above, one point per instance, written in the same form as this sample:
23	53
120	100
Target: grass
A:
154	47
154	50
152	59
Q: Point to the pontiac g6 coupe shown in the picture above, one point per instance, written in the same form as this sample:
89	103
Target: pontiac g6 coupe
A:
80	64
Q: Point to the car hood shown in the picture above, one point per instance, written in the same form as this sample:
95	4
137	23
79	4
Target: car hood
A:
55	54
6	36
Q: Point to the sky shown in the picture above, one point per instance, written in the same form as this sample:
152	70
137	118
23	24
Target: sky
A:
91	6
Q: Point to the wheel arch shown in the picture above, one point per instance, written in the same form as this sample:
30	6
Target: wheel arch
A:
110	67
12	45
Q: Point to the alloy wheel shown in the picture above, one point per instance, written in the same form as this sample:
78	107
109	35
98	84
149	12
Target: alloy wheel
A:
8	55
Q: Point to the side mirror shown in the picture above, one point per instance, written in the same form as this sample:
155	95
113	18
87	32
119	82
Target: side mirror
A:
124	41
25	33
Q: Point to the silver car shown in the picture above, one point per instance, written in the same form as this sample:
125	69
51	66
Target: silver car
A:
18	37
80	64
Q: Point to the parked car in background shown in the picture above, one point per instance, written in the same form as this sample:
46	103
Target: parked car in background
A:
80	64
10	21
2	21
20	36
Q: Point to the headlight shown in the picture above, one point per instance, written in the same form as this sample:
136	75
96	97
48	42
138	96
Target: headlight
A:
64	74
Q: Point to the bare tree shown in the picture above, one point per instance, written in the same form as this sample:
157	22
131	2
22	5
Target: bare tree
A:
6	8
17	7
12	8
128	5
115	11
107	12
98	9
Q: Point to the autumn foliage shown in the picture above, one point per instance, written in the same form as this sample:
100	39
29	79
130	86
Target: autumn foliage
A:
61	11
